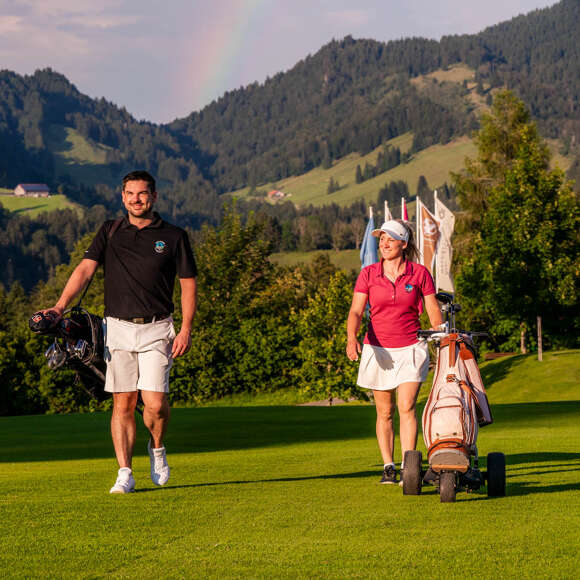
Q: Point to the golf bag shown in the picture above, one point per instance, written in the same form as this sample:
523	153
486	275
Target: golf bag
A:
457	404
78	345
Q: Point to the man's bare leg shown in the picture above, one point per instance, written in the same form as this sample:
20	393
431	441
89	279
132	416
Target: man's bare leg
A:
123	427
155	416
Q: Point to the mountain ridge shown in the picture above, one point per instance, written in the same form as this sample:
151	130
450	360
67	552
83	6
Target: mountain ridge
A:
350	96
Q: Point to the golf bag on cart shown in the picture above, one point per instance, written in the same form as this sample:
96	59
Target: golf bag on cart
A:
78	344
457	406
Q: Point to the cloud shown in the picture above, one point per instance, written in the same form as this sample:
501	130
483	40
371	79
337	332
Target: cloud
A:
60	8
10	25
349	18
102	22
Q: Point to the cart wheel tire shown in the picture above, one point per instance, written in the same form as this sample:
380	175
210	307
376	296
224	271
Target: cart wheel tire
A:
447	487
496	475
412	478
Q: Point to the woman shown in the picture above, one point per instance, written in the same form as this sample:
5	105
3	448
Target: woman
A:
392	359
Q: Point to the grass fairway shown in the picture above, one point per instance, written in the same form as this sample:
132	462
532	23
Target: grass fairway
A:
292	492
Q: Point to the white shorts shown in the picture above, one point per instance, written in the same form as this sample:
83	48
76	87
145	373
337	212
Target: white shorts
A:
384	369
138	355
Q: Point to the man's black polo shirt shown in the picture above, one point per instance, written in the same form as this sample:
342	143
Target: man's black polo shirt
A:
141	265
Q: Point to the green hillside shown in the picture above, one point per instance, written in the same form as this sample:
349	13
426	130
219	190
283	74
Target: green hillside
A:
434	163
343	259
78	157
32	206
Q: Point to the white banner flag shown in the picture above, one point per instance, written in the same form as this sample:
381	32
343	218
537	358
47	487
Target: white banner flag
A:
388	215
429	238
444	250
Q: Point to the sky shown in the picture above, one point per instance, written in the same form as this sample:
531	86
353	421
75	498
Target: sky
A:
163	59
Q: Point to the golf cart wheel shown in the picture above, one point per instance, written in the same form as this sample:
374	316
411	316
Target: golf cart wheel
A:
412	478
495	474
447	487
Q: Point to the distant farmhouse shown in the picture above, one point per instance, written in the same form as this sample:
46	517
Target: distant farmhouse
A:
275	195
32	190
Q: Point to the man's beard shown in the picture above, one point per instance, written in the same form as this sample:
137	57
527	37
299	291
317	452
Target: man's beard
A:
143	215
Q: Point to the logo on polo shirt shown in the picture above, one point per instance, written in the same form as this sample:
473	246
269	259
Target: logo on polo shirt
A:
160	247
409	287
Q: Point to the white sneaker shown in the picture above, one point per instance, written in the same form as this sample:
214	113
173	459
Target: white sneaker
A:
159	468
125	482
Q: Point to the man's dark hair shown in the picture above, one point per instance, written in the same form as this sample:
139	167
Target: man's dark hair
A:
140	176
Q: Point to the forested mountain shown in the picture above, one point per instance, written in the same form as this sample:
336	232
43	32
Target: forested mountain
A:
351	96
37	111
354	94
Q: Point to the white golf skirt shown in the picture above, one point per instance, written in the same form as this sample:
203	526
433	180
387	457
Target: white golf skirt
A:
384	369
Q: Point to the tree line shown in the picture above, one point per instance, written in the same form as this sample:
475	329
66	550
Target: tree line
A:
255	328
32	248
388	158
265	327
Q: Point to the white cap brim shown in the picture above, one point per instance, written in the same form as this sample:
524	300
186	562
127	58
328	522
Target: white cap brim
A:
396	230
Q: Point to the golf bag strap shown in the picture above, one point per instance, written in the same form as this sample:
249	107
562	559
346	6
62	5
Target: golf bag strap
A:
114	227
450	341
465	353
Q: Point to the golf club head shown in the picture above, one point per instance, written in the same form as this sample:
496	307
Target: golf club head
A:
55	356
80	348
444	297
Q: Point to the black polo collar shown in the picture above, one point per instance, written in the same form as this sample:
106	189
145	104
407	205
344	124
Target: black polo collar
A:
156	223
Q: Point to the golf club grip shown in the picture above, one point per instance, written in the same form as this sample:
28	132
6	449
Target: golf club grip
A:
427	333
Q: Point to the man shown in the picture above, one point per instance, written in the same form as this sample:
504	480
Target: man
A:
141	256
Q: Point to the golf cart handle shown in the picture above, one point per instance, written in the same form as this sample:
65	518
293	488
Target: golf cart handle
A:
432	334
438	334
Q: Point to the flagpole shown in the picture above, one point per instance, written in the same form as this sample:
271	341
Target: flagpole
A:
437	246
418	220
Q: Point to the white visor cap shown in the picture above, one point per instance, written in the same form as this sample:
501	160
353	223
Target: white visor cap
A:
396	230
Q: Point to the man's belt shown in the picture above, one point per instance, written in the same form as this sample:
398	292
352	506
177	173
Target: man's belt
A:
145	319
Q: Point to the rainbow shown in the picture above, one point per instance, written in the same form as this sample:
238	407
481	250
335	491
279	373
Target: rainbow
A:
216	54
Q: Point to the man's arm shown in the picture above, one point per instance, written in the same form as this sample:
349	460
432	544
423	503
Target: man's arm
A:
182	342
77	281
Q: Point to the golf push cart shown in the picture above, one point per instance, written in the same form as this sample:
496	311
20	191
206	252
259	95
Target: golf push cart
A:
457	406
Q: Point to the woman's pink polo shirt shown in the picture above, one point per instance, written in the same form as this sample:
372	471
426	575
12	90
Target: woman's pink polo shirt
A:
395	308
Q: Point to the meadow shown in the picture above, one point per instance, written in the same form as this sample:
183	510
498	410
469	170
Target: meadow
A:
80	158
32	206
343	259
434	163
285	491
